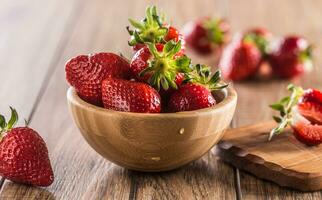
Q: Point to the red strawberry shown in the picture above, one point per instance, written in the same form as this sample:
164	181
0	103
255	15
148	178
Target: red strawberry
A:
23	154
152	29
304	117
129	96
196	94
240	59
206	34
160	65
312	95
86	73
291	58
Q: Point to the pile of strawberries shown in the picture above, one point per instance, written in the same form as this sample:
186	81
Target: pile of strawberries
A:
159	78
302	110
253	53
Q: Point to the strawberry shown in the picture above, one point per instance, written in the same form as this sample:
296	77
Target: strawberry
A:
23	154
152	29
241	58
206	34
303	114
86	73
291	58
160	65
130	96
196	94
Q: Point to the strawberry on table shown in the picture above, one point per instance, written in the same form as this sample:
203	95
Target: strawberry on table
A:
130	96
303	112
196	93
23	154
86	73
152	29
291	58
206	34
241	58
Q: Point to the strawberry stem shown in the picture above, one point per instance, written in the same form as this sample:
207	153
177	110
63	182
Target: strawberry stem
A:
284	106
6	126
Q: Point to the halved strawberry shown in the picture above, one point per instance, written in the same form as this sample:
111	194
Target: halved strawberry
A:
312	95
303	116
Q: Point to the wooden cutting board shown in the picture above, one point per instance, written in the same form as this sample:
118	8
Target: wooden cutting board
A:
284	160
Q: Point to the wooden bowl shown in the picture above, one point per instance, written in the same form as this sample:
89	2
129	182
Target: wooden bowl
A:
153	142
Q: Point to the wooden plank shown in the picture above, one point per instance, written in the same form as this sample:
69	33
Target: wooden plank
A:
80	172
282	17
28	45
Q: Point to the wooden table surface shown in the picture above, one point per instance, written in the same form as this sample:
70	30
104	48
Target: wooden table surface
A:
37	37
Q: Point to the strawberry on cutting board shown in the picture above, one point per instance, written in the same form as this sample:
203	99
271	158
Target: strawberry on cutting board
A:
153	29
206	34
302	110
86	73
291	57
130	96
196	93
23	154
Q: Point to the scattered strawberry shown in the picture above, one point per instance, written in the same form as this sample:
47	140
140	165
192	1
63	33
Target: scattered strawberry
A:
23	154
206	34
303	113
262	38
86	73
160	65
291	58
130	96
152	29
241	58
196	94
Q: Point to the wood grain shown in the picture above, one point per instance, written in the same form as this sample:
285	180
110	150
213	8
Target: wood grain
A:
281	17
284	160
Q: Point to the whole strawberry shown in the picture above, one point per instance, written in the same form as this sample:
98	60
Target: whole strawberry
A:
86	73
291	58
196	93
206	35
152	29
303	112
130	96
23	154
160	65
241	58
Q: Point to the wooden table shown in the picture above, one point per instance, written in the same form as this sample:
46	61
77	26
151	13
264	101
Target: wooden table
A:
37	37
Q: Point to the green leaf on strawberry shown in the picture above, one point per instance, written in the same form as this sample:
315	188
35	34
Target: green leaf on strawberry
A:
6	126
150	29
284	106
165	65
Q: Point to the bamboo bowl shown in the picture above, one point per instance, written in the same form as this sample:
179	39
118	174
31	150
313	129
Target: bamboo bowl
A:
153	142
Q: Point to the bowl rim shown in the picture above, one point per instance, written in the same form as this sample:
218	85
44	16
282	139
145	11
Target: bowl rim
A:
230	99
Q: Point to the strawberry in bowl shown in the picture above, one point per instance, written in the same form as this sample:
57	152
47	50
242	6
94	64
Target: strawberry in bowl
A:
152	29
302	110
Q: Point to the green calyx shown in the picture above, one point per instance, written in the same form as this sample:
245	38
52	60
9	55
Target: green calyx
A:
150	29
215	34
6	126
201	74
164	66
305	57
260	41
284	106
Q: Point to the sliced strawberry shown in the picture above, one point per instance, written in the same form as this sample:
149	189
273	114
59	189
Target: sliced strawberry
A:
311	111
312	95
129	96
308	134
